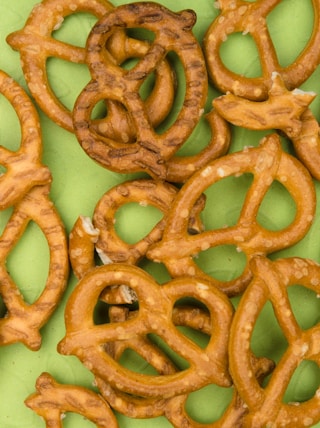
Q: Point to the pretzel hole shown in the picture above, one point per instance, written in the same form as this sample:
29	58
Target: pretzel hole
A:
66	80
207	404
305	305
10	128
135	220
74	29
179	362
225	199
284	214
303	383
156	270
133	361
267	338
31	254
71	419
224	262
3	308
240	55
298	29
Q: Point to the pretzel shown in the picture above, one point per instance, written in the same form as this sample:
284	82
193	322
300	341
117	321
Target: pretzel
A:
250	17
88	341
23	166
307	144
282	110
23	321
267	163
270	283
52	400
100	235
149	151
36	44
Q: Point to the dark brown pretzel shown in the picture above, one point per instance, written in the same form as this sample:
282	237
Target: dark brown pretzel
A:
150	150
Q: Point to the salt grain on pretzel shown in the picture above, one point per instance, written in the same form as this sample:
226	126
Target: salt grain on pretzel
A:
88	341
266	403
150	150
267	163
251	18
53	400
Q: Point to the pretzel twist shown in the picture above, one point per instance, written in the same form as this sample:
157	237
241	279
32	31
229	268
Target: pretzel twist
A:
251	17
23	321
52	400
267	163
150	150
87	340
270	283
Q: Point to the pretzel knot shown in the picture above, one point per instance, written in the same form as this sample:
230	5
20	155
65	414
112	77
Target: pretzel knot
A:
52	400
36	44
23	167
88	341
267	163
101	235
172	33
270	283
251	17
23	321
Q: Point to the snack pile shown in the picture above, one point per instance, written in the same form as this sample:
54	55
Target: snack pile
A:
176	197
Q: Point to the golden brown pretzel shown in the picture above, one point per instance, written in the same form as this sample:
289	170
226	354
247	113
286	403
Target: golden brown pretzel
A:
267	163
23	167
52	400
101	235
149	151
36	44
250	17
88	341
270	283
282	110
23	321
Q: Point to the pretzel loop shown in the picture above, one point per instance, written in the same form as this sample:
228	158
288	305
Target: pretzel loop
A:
154	316
267	163
251	17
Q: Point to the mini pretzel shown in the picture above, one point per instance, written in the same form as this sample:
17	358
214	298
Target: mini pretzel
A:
52	400
173	408
267	163
23	167
270	283
36	44
150	150
282	110
88	341
250	17
100	235
23	321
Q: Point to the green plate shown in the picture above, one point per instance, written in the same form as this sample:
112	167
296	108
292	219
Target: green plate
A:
79	183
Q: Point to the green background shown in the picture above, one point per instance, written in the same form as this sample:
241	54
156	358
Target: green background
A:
78	184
